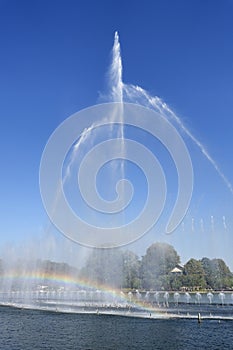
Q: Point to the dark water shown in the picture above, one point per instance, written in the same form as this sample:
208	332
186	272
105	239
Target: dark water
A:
28	329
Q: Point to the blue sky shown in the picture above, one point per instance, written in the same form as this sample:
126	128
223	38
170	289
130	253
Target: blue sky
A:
53	63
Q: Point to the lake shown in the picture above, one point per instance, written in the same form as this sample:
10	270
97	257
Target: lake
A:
23	329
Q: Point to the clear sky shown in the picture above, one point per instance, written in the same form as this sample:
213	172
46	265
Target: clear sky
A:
53	63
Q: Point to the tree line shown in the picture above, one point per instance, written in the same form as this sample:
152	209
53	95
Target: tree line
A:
156	270
159	269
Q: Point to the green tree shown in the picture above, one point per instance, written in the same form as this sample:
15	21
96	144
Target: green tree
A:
194	274
156	265
209	271
217	274
176	281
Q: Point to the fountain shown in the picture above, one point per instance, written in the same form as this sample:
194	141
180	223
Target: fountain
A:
138	295
221	297
198	297
176	297
187	297
166	297
130	296
156	296
147	296
41	291
210	297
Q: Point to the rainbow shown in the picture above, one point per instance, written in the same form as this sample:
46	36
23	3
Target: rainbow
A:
58	278
69	281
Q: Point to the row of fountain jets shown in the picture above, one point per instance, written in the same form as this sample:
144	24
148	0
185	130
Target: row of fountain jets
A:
113	297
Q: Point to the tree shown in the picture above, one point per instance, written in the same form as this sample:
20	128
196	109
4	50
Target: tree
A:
209	272
176	281
217	274
194	274
156	265
131	269
104	266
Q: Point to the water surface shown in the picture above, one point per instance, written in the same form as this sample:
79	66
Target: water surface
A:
33	329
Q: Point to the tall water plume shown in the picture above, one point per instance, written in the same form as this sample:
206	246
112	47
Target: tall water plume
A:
116	95
115	72
120	92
